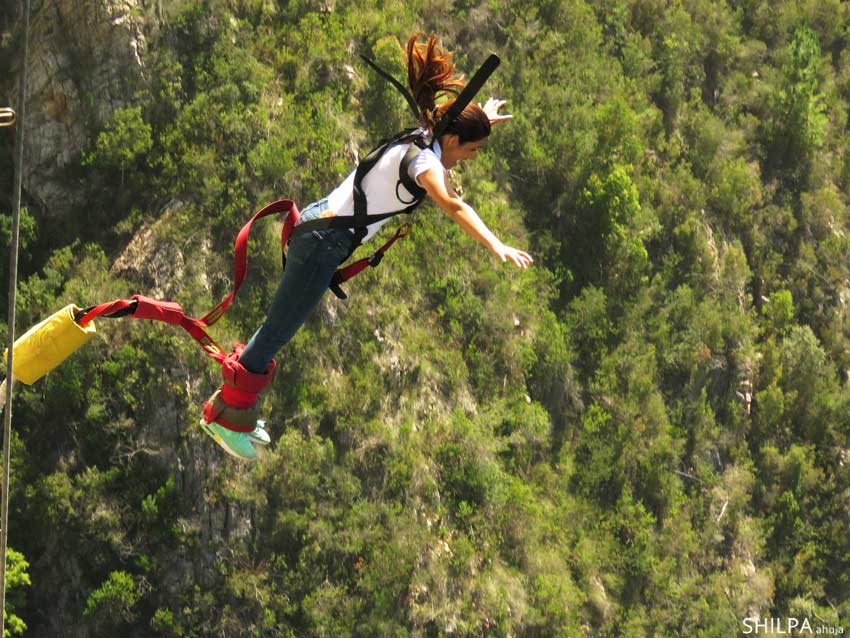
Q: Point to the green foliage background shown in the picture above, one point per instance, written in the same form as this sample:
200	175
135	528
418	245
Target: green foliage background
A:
646	434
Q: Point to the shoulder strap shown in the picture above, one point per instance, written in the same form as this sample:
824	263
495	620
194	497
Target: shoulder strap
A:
361	218
404	177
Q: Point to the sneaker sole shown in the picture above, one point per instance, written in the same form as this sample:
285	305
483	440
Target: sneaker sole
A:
215	437
261	427
257	441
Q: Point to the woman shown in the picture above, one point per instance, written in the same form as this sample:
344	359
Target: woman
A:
313	257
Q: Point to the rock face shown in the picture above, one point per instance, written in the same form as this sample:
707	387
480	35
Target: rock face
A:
86	57
154	260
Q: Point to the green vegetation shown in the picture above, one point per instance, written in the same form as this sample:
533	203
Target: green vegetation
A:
646	434
17	579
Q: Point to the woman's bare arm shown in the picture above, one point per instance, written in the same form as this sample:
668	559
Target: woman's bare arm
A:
434	183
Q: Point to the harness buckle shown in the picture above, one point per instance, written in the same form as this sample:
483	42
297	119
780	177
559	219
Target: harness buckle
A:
404	230
375	259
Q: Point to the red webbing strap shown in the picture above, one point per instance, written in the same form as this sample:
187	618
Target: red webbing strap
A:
344	274
167	311
197	332
104	309
290	222
172	313
240	258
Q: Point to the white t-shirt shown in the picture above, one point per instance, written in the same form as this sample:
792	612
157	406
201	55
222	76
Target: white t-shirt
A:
380	183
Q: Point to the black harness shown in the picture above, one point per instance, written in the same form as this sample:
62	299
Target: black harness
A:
418	141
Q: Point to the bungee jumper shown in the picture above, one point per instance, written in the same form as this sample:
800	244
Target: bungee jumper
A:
393	179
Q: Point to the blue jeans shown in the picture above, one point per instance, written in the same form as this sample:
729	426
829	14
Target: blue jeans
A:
311	261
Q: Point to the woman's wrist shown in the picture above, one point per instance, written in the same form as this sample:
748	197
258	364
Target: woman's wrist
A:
496	246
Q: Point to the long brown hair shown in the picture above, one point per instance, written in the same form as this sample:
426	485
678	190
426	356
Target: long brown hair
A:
431	75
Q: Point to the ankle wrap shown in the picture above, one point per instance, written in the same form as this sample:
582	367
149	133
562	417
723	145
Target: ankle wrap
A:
241	386
232	406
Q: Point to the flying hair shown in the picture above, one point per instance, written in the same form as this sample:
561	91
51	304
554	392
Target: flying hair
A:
431	76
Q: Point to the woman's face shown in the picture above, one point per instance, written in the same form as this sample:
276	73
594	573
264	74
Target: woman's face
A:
454	151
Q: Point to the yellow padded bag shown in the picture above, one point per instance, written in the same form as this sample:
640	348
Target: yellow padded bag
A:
45	346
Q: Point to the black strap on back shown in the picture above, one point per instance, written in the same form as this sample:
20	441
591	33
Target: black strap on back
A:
361	207
404	178
414	107
466	96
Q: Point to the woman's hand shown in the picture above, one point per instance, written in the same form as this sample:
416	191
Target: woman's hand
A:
519	257
491	108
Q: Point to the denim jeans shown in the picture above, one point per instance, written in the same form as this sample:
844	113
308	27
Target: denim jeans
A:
311	261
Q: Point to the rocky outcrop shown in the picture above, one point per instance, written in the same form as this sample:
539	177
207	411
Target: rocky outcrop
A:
152	259
86	58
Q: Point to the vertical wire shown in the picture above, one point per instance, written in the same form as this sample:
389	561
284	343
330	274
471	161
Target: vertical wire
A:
13	280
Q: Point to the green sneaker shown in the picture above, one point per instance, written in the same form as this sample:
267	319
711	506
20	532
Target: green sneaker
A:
259	436
237	444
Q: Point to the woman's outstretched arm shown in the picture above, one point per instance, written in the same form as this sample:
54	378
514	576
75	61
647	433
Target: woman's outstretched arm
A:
434	183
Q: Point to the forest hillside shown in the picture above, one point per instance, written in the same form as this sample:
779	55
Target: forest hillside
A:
647	433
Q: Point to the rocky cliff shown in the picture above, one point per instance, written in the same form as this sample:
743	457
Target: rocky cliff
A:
86	58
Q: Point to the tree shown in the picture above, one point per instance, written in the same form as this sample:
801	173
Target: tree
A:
607	246
114	601
125	139
796	126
